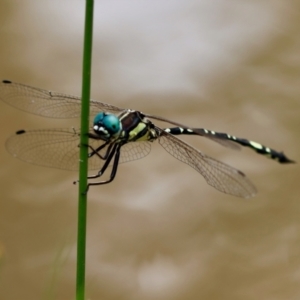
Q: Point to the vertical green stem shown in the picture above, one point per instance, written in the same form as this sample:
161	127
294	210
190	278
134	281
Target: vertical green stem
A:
83	167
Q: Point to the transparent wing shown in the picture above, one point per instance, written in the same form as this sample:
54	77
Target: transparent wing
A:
217	174
59	148
47	103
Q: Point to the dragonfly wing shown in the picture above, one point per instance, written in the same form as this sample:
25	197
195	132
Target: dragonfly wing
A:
47	103
54	148
59	148
134	150
217	174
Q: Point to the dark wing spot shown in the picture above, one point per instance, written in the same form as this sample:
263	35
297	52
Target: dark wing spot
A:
20	131
241	173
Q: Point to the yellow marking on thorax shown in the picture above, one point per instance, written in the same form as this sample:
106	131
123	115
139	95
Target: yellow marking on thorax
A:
133	133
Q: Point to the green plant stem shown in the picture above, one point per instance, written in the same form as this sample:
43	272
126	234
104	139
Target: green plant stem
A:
83	166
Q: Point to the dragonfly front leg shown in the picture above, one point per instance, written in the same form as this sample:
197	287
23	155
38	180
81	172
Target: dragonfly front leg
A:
107	157
114	153
96	151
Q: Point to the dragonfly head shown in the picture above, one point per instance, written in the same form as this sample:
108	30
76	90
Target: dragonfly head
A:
107	125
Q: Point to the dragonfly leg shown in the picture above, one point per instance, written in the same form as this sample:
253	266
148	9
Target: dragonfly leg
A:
116	154
111	151
110	154
96	151
107	157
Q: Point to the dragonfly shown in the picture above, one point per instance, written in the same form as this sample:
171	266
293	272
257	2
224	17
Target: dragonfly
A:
117	136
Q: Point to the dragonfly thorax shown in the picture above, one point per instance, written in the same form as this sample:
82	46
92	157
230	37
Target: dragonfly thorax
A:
136	127
107	125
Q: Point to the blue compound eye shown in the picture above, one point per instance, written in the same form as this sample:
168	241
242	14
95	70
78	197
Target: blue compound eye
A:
112	123
107	124
99	118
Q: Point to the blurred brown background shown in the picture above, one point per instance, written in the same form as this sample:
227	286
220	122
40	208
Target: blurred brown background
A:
158	231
